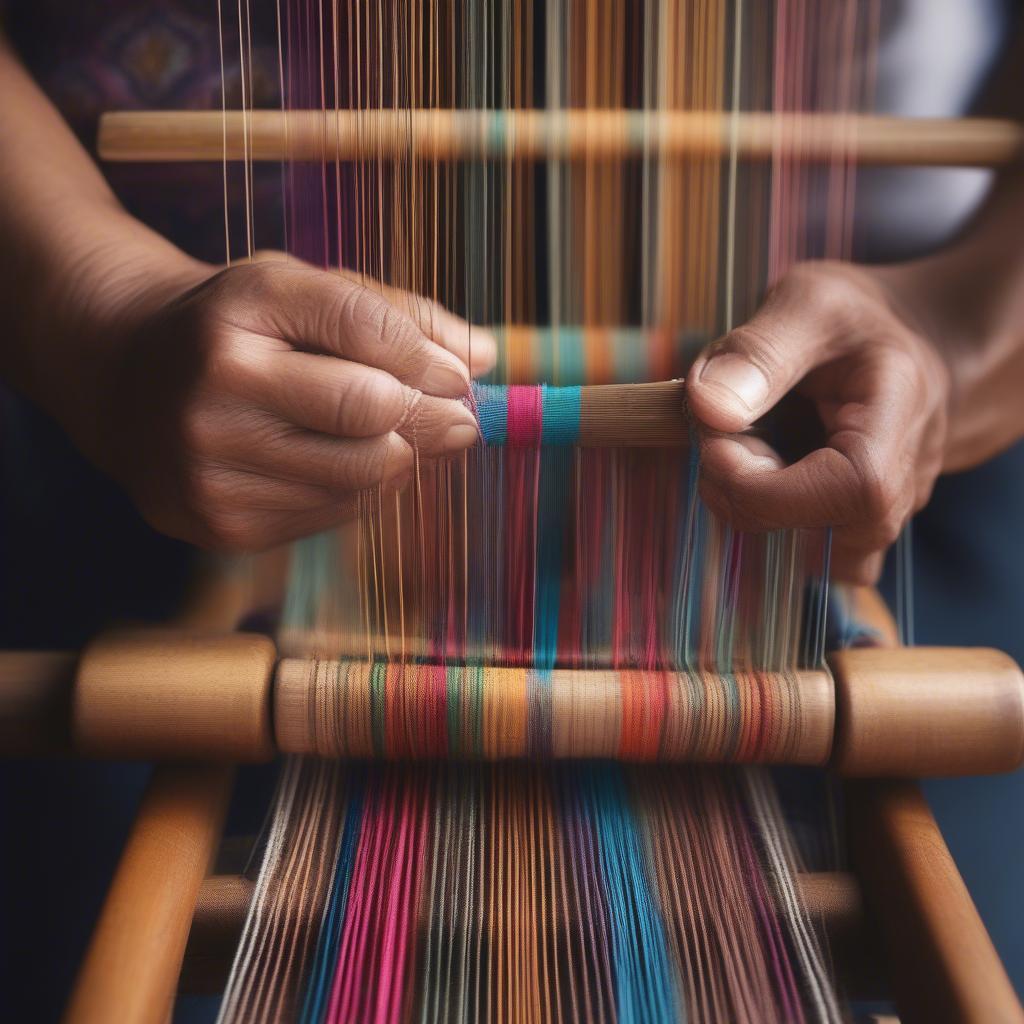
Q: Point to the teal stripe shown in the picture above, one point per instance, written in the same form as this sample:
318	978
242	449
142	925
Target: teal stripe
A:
561	415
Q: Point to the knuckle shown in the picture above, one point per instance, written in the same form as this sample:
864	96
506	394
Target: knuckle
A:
359	466
203	490
227	525
347	312
224	360
759	345
400	341
365	315
364	408
260	280
902	368
826	289
238	288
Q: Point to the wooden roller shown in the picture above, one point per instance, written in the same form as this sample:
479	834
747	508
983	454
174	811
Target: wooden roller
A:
147	695
912	712
944	710
186	135
585	711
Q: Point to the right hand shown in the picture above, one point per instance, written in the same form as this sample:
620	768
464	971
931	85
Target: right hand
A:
255	406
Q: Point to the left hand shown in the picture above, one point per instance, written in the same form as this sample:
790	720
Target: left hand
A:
835	334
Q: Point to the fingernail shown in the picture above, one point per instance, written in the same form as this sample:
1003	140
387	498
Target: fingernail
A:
460	437
737	376
445	379
762	464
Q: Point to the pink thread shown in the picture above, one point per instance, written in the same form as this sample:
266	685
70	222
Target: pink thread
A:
525	416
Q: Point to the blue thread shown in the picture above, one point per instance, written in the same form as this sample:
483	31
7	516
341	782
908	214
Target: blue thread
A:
318	988
492	412
644	980
561	415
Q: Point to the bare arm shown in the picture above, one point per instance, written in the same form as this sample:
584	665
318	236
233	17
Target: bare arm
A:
238	407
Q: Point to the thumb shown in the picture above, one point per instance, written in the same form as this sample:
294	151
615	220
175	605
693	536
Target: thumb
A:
742	375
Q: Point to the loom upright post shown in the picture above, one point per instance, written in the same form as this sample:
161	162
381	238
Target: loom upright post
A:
131	969
942	963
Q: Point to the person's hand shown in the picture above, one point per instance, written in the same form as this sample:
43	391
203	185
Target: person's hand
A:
254	407
833	333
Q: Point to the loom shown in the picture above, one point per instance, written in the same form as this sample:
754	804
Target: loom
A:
527	716
194	692
163	694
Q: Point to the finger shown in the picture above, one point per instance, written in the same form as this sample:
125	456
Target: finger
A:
754	445
263	443
229	489
855	557
260	443
742	375
317	311
829	487
261	529
474	345
346	399
268	531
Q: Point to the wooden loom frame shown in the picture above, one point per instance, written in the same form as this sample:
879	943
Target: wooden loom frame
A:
941	962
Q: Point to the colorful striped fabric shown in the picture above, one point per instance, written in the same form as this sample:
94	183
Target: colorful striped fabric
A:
402	710
527	416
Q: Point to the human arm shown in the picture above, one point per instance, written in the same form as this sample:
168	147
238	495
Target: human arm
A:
239	407
915	369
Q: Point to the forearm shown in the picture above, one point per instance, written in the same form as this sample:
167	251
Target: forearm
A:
73	254
968	299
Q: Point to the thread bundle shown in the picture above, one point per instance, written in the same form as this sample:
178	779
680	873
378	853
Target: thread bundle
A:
401	710
583	892
460	891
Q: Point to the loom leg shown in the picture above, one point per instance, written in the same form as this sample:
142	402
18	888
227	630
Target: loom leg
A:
131	969
942	963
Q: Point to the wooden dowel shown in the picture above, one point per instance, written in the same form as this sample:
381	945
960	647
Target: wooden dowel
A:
130	971
35	702
634	415
166	136
943	966
153	693
927	711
